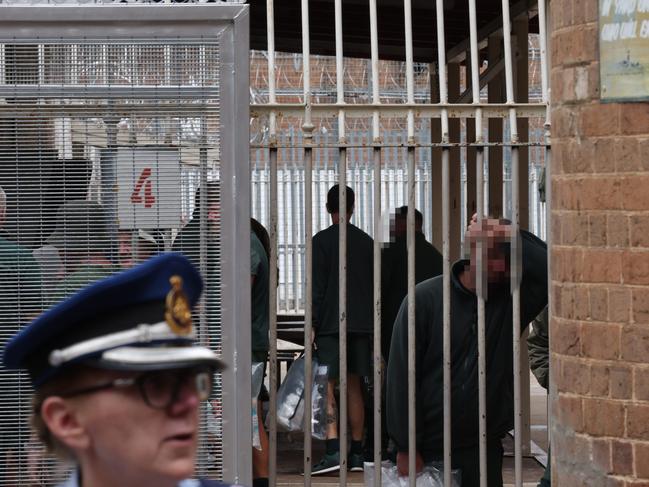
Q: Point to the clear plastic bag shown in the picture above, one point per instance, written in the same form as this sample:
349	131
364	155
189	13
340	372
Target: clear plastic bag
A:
430	476
290	399
257	379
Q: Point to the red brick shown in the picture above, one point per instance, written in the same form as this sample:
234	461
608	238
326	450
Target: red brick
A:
574	229
601	266
635	343
639	229
600	341
568	411
636	267
637	421
617	230
565	124
597	230
622	457
627	155
641	383
621	386
641	305
643	145
595	194
599	380
635	119
582	303
602	455
603	417
598	303
642	460
565	337
600	119
634	194
555	220
604	159
574	377
619	304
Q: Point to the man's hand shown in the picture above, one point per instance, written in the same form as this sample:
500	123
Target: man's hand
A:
402	463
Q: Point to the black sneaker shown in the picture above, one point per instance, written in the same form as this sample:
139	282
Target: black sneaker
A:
355	462
329	463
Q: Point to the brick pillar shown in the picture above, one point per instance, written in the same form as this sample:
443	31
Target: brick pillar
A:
600	268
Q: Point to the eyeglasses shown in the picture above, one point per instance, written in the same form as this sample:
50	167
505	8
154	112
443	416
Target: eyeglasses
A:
161	388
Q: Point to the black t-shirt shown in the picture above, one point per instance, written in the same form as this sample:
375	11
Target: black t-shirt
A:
360	289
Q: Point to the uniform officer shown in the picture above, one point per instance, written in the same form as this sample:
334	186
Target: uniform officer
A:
118	381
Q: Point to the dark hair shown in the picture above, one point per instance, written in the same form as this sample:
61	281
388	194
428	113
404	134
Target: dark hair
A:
333	202
402	212
213	193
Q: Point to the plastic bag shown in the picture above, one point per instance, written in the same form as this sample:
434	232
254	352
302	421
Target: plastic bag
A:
430	476
257	379
290	399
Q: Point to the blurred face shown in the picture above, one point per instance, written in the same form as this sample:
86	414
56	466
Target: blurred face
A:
132	252
494	235
127	436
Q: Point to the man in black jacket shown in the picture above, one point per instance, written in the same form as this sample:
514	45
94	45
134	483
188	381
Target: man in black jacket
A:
359	325
496	236
394	269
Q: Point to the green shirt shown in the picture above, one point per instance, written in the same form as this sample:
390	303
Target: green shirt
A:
259	298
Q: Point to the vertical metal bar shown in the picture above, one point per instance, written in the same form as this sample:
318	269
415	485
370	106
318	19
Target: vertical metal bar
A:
515	267
272	288
446	237
543	29
412	419
376	140
482	364
307	128
342	242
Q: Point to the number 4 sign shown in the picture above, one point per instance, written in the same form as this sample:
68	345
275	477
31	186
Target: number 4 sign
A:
148	181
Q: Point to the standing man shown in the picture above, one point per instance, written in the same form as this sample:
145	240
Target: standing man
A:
496	236
259	280
359	325
394	269
118	381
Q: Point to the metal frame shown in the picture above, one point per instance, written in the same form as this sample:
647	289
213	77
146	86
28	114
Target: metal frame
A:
230	25
469	106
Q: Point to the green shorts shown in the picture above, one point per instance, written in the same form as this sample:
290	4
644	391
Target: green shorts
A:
359	354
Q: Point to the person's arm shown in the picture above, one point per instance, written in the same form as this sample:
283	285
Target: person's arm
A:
320	275
538	344
534	282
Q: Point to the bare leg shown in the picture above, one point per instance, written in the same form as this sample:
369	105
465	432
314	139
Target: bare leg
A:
332	411
260	457
355	406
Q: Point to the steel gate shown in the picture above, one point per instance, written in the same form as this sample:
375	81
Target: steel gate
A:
497	120
110	118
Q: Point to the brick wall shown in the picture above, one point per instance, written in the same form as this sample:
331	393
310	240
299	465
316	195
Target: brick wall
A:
600	267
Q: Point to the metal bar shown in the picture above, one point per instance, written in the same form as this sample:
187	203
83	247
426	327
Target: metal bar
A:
307	129
515	268
107	91
420	110
342	261
324	110
446	237
272	287
481	291
495	95
412	419
521	31
376	139
397	144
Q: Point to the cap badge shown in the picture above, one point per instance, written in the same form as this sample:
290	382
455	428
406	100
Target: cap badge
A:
178	313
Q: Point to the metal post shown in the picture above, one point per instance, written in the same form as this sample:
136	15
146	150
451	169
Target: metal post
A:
307	128
480	282
495	95
376	140
446	336
515	263
412	420
342	242
272	268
